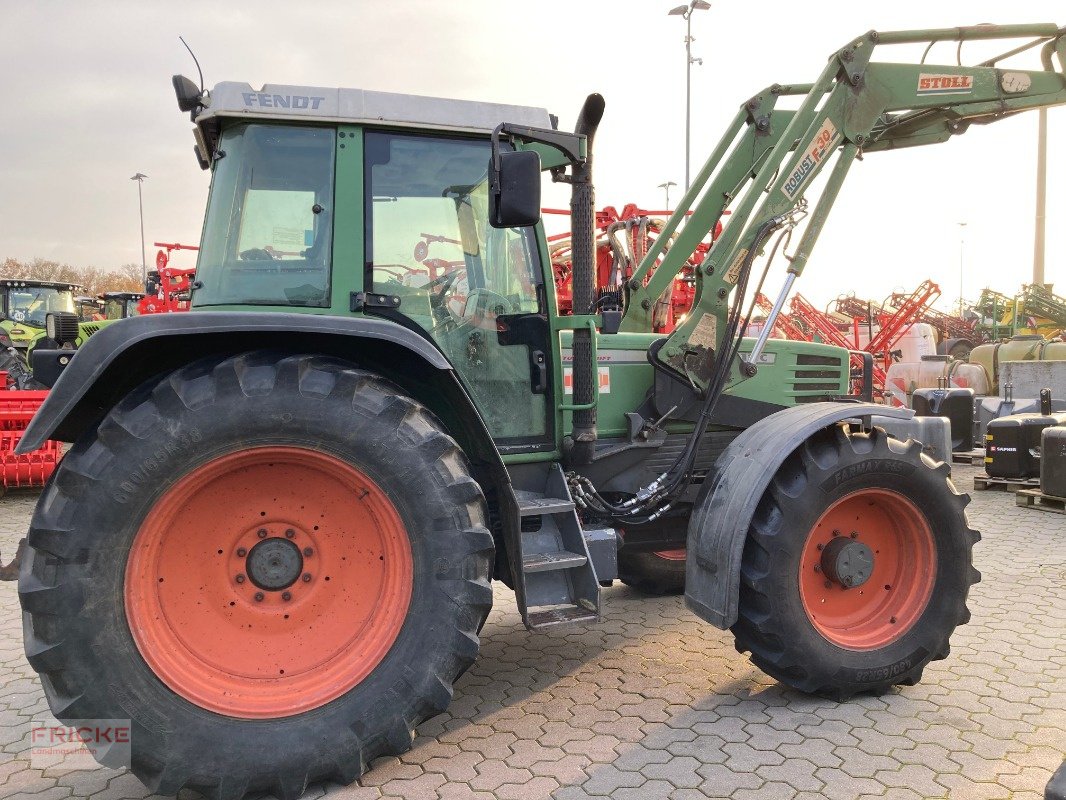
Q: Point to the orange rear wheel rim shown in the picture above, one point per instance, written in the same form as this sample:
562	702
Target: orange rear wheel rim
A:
268	582
882	544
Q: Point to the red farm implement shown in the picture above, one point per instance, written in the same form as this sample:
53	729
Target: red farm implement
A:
622	241
17	407
167	288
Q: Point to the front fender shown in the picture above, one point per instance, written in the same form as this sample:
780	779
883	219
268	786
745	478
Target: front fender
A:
718	527
128	352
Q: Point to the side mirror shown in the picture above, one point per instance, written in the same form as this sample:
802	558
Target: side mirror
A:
514	188
187	92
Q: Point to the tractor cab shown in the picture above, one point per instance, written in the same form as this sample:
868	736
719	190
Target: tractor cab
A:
120	305
24	305
349	203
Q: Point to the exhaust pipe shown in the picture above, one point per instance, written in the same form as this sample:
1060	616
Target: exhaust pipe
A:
583	254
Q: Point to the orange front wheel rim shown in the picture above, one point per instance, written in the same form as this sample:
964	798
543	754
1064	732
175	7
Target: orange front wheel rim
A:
867	569
268	582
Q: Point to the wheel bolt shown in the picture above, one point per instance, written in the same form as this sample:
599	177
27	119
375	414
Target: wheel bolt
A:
836	533
261	533
817	568
240	579
307	577
286	595
242	552
893	620
259	597
854	534
289	533
308	551
821	546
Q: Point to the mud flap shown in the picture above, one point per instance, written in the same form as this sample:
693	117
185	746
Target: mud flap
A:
727	501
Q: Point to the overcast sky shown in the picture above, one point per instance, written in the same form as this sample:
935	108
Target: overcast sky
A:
87	103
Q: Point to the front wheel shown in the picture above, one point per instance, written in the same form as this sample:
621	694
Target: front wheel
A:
274	566
856	567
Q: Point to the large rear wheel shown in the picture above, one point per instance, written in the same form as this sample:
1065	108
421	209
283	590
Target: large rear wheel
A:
274	566
856	567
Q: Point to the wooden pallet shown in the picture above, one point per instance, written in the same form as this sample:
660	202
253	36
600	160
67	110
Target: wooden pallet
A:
975	458
1005	484
1034	498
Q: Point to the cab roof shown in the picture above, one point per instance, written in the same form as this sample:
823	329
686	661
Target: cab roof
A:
359	106
18	283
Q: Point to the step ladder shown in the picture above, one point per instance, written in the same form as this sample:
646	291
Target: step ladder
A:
558	579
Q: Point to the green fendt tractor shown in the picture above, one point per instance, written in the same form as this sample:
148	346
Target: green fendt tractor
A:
272	544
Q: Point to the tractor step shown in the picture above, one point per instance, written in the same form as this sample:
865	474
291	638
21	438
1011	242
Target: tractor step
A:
563	615
558	578
542	562
531	504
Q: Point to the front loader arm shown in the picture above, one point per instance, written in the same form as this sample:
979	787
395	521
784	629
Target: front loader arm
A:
768	158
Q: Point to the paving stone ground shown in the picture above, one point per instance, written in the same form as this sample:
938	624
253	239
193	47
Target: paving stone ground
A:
653	703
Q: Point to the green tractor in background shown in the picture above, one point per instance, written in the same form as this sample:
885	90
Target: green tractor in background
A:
25	304
121	305
271	545
24	309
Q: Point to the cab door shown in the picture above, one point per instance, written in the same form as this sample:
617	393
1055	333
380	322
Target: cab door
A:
476	291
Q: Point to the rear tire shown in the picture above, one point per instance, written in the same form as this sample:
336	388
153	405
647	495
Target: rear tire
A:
653	573
81	586
811	632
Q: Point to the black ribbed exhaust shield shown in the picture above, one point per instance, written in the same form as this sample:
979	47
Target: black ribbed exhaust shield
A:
583	232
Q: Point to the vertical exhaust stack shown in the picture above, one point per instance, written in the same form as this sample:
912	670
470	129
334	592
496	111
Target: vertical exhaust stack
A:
583	232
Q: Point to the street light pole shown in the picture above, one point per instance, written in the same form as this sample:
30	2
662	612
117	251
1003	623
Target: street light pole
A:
667	186
1041	199
139	177
686	13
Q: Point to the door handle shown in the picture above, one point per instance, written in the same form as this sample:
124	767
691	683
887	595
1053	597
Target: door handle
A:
538	372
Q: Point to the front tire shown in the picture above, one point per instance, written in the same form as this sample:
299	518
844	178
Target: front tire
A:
274	566
856	567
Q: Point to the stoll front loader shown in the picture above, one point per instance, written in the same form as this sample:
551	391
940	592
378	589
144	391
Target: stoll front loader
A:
272	542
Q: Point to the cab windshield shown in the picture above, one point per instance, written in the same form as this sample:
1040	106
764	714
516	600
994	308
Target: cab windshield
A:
30	304
268	230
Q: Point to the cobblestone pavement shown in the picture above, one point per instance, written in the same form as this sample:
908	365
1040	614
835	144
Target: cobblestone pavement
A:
653	703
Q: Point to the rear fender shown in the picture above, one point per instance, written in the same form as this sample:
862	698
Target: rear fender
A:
129	352
718	527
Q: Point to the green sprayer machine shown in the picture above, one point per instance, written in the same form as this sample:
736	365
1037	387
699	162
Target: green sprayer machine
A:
272	542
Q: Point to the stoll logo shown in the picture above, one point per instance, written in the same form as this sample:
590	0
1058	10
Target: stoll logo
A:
79	744
944	84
